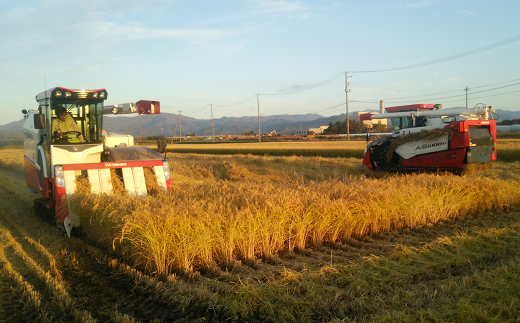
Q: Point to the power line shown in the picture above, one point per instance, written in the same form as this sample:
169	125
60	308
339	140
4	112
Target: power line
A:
431	94
477	87
326	108
440	60
455	96
487	96
202	108
467	53
330	79
400	102
249	98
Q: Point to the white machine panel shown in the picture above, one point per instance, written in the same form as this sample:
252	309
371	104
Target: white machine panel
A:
421	147
159	173
93	178
128	179
106	180
140	184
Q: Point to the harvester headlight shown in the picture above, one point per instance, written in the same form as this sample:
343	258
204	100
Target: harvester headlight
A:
58	93
166	170
102	94
59	176
67	94
94	95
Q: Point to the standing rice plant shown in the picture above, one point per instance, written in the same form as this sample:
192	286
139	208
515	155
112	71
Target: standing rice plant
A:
199	224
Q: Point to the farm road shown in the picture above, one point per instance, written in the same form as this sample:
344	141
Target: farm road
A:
46	276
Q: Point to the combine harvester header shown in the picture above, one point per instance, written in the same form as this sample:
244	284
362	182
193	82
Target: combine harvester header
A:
425	136
64	142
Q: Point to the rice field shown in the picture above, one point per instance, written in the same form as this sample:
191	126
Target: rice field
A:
273	239
507	149
308	148
247	207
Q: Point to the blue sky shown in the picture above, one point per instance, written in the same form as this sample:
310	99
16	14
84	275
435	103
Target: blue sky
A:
190	54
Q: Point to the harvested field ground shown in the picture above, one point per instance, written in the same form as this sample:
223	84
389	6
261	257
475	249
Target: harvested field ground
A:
289	148
459	268
508	149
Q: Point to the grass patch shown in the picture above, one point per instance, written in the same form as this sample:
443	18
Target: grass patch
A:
12	159
469	277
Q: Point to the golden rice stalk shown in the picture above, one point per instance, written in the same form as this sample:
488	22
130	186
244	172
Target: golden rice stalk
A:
150	180
83	186
117	184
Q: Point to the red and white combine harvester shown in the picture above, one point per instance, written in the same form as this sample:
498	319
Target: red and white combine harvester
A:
425	136
55	160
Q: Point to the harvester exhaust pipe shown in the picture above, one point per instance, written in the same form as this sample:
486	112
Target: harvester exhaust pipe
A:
381	106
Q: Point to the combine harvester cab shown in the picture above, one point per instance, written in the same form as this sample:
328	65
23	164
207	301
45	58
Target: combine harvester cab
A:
425	136
56	159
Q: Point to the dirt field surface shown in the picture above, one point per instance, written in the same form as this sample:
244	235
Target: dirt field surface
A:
47	277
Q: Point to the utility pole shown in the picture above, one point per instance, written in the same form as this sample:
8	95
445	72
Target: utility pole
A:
180	127
212	128
346	104
139	127
466	97
258	103
175	130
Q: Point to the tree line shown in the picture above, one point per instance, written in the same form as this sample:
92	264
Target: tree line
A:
354	127
509	122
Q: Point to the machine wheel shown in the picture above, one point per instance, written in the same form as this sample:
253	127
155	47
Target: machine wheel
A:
41	210
161	145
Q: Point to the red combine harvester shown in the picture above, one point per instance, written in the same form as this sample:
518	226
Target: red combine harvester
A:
425	136
55	160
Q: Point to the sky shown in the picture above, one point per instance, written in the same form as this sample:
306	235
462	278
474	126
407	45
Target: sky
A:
236	58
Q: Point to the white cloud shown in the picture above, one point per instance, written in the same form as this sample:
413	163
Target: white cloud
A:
136	31
271	6
471	13
418	4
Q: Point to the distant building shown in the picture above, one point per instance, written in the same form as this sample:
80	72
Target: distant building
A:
301	133
364	116
318	130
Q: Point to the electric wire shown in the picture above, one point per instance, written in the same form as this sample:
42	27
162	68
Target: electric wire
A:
447	58
426	96
471	88
319	110
330	79
334	108
459	95
487	96
249	98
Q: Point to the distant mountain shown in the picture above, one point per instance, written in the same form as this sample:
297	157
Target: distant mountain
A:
13	129
507	115
166	123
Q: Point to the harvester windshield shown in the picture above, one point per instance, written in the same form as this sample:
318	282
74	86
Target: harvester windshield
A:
402	123
71	116
82	123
